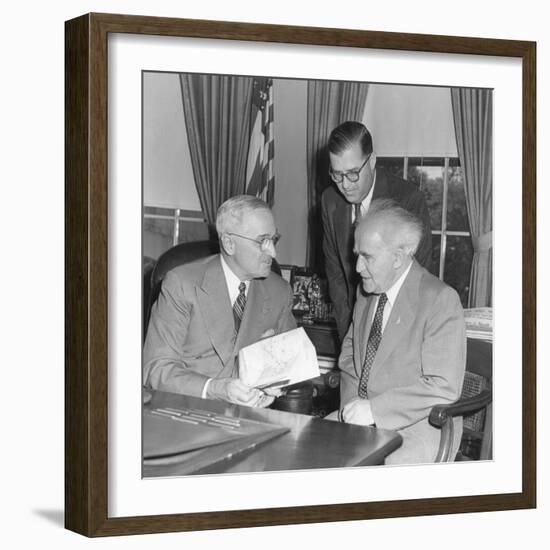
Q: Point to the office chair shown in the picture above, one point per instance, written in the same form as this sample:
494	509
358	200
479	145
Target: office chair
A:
474	405
178	255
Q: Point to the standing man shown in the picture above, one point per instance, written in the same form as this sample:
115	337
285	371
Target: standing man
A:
405	350
358	181
209	309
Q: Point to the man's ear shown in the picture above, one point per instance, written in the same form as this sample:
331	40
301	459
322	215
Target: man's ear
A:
227	244
372	160
399	258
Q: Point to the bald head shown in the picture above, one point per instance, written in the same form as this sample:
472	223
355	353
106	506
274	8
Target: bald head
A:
385	242
397	227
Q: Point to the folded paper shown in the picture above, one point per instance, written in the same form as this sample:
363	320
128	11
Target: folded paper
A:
285	358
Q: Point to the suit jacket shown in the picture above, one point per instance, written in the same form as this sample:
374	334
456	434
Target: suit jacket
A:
338	238
191	334
419	363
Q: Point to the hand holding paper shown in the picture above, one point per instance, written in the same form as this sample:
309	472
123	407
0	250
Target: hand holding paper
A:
280	360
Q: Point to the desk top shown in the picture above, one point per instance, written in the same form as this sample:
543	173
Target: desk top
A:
311	442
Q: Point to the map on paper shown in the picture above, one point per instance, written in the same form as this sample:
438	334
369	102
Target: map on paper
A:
285	358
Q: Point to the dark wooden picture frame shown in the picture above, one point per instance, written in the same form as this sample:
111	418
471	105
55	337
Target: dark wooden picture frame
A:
86	280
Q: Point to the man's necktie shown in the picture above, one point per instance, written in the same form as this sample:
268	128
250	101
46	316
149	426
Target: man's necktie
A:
372	345
238	307
357	211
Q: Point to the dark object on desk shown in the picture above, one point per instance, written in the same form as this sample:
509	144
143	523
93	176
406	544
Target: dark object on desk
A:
178	255
474	405
297	398
195	439
326	393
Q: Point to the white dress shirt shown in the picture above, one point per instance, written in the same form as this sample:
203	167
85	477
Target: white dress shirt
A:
391	294
233	283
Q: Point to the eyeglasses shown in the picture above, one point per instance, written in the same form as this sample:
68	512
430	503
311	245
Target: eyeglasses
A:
262	242
351	175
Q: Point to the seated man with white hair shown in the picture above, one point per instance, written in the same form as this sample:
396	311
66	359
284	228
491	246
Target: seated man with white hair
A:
209	309
405	350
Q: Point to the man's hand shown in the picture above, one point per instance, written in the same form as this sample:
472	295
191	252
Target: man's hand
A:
358	411
235	391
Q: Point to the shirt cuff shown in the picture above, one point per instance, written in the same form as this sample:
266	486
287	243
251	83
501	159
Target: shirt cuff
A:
368	413
205	388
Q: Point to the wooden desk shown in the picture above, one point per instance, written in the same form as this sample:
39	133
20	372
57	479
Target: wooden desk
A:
310	443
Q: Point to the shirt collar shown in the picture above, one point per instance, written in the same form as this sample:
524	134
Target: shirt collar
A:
396	287
232	280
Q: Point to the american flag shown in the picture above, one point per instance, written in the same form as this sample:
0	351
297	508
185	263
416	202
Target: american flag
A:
259	168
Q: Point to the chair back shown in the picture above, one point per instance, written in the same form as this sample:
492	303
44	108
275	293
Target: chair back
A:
478	378
180	254
474	406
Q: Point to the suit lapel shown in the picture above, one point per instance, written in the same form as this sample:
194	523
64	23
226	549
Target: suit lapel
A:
342	227
401	317
215	306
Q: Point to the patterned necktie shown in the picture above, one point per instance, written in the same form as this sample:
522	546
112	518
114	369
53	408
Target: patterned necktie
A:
238	307
372	345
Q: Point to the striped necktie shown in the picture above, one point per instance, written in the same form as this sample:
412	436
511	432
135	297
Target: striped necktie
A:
238	306
372	345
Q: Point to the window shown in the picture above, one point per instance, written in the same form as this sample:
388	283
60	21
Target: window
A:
441	181
167	227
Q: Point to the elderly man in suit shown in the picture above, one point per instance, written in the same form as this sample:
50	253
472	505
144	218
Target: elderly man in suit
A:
405	350
358	181
209	309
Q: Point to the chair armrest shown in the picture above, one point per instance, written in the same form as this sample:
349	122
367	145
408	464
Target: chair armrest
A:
440	413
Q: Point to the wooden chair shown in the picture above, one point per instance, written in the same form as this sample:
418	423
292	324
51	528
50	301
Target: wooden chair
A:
474	405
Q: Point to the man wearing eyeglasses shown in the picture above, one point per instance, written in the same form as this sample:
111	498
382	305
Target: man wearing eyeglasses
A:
357	181
209	309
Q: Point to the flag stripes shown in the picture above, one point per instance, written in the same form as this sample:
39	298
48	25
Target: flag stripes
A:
259	173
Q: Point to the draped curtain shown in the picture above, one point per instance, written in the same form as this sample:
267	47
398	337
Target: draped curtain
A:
328	105
473	119
217	115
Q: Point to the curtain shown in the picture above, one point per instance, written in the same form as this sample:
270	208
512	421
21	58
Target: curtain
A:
217	116
328	105
473	119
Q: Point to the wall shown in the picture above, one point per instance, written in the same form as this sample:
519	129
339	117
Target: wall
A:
32	141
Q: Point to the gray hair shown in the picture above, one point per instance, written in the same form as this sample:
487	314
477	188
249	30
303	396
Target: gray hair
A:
232	212
398	227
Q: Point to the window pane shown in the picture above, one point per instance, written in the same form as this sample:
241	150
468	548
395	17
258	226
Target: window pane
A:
430	181
457	218
158	236
436	250
192	231
458	262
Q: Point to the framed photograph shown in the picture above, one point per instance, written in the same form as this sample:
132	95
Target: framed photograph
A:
132	199
287	272
300	285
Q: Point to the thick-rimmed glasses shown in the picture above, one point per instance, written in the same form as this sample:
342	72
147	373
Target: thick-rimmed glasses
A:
351	175
262	242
